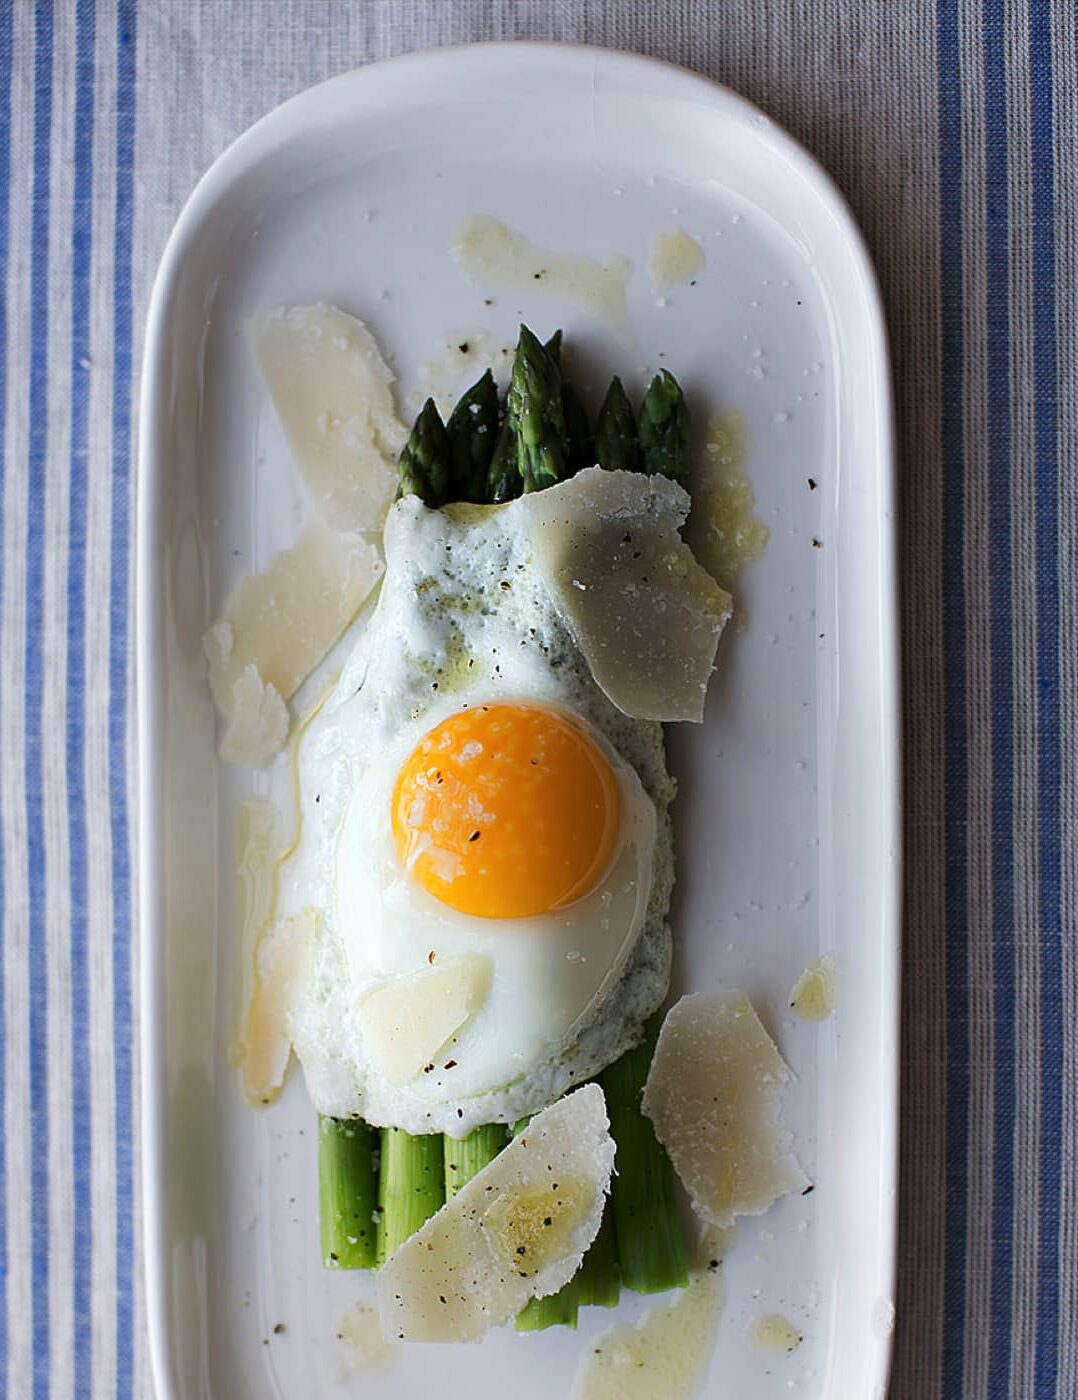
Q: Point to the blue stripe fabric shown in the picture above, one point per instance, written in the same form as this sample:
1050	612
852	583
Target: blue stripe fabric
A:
952	126
998	273
6	65
118	690
81	1114
38	411
1048	691
952	443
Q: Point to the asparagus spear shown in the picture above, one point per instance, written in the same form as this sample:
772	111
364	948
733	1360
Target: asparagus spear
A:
472	431
650	1244
504	482
424	466
664	428
578	427
617	446
556	1310
411	1186
346	1192
535	415
581	450
600	1277
467	1156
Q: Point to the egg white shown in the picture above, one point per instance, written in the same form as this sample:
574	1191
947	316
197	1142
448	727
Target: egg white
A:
463	618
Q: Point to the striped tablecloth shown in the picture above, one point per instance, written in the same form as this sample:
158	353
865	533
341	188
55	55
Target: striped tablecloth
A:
953	129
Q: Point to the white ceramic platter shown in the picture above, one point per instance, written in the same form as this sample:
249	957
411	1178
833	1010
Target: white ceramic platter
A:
787	820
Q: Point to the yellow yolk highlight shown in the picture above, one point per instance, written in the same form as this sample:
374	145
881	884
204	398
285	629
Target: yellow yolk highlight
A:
505	811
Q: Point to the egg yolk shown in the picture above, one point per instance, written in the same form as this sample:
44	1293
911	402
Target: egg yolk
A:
504	811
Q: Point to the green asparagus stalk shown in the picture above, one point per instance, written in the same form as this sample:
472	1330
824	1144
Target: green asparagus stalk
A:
600	1277
346	1192
465	1157
664	428
472	431
504	482
535	415
578	427
411	1186
556	1310
651	1248
581	450
424	466
617	445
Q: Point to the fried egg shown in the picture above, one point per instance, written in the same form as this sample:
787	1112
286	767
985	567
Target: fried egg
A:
483	838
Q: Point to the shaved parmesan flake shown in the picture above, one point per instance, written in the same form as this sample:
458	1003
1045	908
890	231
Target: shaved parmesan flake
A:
257	720
333	394
646	616
665	1354
284	963
408	1019
713	1097
517	1230
285	619
533	1227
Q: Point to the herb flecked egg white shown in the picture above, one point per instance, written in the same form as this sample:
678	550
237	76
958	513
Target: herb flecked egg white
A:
485	838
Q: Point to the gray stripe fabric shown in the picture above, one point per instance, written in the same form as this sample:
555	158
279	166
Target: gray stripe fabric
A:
952	127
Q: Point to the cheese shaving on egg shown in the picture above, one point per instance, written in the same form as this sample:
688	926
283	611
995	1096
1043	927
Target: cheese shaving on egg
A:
408	1019
641	609
713	1097
517	1230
